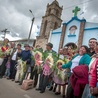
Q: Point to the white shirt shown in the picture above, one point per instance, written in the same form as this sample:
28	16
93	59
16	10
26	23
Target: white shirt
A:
11	51
75	62
61	56
14	55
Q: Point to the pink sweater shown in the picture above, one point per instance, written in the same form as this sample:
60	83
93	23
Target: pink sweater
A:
46	70
93	73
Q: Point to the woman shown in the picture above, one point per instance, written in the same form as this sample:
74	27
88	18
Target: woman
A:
82	58
93	72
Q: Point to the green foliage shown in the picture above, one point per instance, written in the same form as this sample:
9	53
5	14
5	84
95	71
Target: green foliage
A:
38	68
32	57
40	50
47	53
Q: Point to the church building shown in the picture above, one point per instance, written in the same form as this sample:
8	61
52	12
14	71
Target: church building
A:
75	31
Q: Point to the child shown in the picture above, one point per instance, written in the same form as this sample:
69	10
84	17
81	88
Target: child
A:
60	77
37	67
7	73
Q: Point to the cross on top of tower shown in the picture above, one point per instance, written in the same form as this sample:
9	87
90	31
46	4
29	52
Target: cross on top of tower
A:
76	10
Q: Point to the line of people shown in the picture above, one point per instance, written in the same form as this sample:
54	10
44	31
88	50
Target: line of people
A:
73	67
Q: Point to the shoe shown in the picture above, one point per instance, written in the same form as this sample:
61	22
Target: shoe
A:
20	83
8	78
38	89
57	93
51	88
0	77
42	91
64	96
16	81
12	79
54	89
4	76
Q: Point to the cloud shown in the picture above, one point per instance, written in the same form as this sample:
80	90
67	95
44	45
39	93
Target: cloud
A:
9	37
15	15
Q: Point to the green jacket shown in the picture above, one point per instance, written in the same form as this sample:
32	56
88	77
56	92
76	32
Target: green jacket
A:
85	60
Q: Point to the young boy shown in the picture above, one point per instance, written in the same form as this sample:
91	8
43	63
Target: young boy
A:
7	72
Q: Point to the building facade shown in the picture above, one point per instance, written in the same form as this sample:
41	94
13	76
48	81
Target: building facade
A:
76	31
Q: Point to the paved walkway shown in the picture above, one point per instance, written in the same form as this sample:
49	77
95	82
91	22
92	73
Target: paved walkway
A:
9	89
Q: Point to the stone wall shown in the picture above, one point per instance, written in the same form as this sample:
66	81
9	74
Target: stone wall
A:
42	41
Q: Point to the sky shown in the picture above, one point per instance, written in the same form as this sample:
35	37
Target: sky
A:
15	15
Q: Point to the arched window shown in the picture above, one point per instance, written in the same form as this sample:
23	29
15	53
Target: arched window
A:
57	12
49	11
45	26
55	25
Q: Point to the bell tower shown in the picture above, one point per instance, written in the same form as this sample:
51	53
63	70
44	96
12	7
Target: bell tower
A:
51	20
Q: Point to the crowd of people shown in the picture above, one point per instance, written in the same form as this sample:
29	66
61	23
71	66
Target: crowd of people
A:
75	67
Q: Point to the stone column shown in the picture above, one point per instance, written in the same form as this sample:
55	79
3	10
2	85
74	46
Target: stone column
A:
81	33
62	36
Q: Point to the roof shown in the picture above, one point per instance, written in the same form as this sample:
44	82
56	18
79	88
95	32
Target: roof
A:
56	2
74	18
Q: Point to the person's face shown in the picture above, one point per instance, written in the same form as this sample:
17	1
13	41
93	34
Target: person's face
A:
37	56
27	48
61	51
64	51
31	48
69	49
12	45
18	47
82	51
96	48
92	44
48	47
6	41
59	65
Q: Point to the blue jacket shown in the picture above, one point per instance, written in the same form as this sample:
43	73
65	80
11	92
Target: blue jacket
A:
85	60
26	56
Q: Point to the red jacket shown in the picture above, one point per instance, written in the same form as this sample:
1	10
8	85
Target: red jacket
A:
93	73
79	79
